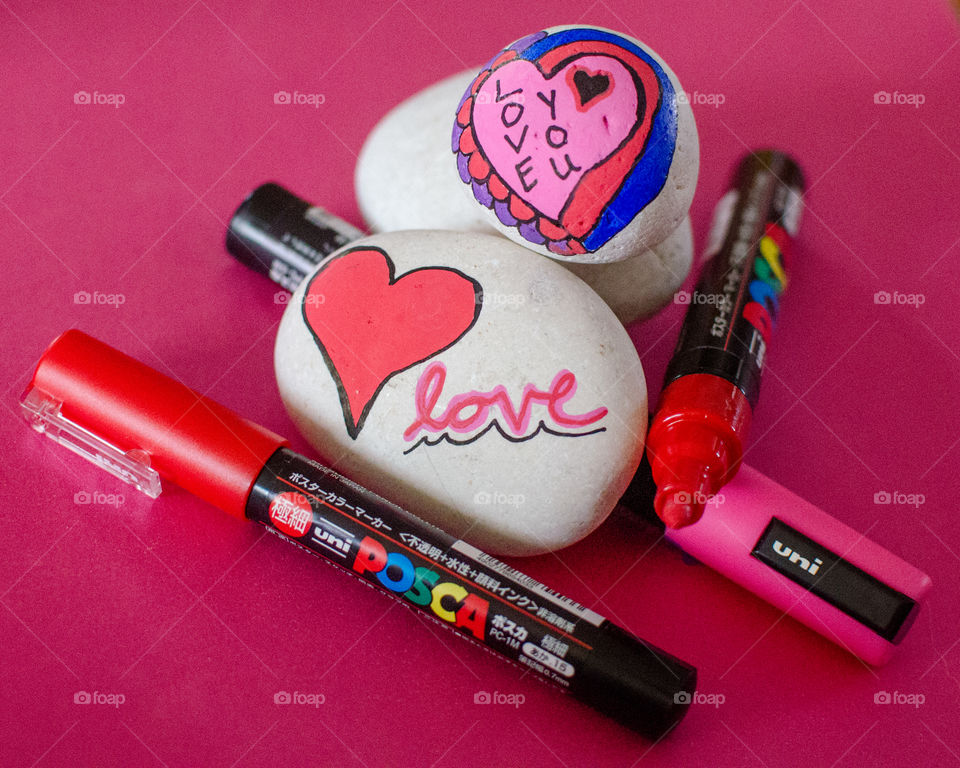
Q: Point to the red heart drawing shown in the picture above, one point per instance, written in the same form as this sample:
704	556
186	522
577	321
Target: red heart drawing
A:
370	325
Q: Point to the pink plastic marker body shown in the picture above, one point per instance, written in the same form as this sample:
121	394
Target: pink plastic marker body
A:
807	563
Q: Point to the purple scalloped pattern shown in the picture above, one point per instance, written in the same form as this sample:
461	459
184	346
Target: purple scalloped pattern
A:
503	213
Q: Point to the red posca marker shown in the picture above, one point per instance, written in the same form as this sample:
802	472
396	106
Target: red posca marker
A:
141	425
700	427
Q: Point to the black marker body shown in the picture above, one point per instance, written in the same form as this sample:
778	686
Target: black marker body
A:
736	300
472	593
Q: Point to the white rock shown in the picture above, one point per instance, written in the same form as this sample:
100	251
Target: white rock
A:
357	344
577	142
406	175
638	286
405	180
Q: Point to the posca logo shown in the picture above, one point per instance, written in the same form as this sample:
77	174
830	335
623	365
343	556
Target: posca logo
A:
769	281
448	600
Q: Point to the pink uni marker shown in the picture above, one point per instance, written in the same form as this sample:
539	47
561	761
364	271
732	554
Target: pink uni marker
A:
797	557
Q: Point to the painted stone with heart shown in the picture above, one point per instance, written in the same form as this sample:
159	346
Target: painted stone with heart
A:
482	387
577	143
405	180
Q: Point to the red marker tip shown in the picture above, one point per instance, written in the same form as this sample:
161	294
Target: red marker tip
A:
678	509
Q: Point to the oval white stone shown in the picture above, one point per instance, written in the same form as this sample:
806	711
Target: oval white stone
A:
638	286
406	175
513	487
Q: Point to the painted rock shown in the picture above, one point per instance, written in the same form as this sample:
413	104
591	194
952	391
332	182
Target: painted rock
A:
576	142
478	385
405	180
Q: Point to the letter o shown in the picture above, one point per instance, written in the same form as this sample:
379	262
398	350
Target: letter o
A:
765	294
407	573
518	113
561	141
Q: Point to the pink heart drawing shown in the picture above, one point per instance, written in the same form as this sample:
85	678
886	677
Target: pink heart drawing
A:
542	134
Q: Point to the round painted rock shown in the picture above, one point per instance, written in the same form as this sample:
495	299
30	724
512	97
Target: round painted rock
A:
478	385
576	142
404	180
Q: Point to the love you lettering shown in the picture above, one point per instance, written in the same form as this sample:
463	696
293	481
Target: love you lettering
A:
542	134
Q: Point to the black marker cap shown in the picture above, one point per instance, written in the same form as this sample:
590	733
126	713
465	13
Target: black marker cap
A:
283	236
637	684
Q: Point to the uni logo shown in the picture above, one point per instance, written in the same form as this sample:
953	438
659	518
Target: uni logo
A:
449	601
332	537
797	559
769	280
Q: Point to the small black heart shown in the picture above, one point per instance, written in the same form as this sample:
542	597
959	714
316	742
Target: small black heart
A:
589	86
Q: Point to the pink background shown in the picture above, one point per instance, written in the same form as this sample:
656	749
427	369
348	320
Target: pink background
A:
197	619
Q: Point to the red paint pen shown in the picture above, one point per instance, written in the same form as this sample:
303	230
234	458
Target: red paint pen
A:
142	426
700	427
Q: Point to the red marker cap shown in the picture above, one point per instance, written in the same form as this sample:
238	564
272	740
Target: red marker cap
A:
695	444
137	423
711	386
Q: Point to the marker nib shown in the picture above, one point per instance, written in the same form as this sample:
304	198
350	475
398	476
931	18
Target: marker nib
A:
678	509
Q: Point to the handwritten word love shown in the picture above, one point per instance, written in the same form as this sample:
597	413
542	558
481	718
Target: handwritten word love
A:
473	410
